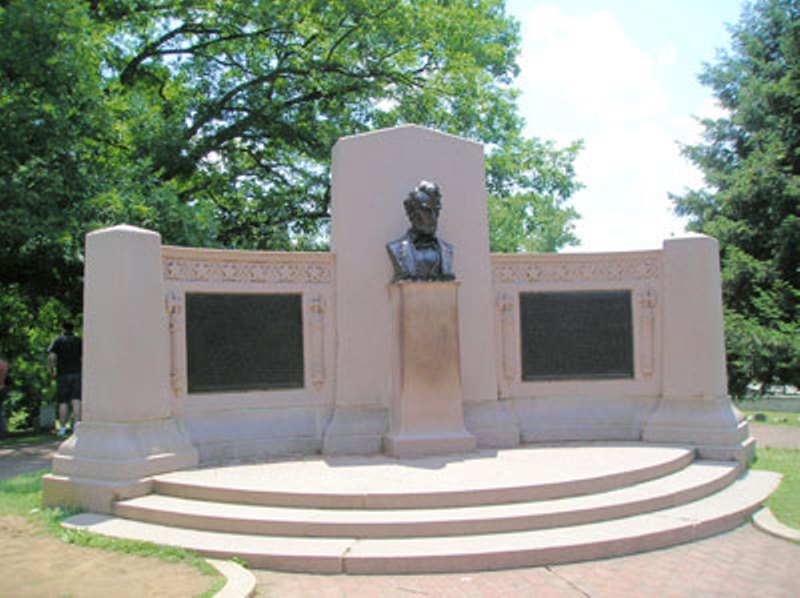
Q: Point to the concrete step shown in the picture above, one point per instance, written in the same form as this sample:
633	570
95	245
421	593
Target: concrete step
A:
707	516
480	478
697	480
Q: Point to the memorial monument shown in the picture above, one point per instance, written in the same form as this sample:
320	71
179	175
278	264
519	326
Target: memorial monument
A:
426	409
530	347
417	352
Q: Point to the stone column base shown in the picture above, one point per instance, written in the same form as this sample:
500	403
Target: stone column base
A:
106	461
712	425
355	431
411	446
493	423
96	496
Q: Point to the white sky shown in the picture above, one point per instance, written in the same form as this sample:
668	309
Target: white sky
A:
622	76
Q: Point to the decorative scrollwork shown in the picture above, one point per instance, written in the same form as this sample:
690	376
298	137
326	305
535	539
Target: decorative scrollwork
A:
173	303
647	302
505	306
316	307
539	271
267	272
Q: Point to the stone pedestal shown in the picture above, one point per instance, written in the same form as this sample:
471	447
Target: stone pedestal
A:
694	407
128	432
426	402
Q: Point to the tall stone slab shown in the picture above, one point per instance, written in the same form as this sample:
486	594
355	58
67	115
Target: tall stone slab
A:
372	175
694	406
128	432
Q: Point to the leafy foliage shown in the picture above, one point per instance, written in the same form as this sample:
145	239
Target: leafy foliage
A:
212	122
245	100
751	161
27	325
529	188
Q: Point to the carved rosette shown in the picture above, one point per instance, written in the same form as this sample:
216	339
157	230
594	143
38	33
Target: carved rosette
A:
174	305
543	272
272	272
316	309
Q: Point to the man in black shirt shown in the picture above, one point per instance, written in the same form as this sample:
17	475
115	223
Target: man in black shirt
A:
64	360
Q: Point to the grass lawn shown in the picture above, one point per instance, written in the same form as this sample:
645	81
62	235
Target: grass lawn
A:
783	404
785	502
772	418
22	496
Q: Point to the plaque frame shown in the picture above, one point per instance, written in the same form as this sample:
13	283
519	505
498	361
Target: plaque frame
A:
204	375
589	335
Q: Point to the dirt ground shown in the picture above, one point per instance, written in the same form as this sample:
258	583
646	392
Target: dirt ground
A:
34	564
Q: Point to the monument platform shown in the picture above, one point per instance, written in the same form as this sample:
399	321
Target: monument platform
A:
533	505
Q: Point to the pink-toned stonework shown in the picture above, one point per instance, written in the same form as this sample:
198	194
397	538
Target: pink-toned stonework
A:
426	405
140	420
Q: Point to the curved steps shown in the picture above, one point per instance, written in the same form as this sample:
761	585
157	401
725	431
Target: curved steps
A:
521	507
480	478
695	481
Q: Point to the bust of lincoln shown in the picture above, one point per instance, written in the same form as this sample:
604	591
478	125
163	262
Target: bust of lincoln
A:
420	254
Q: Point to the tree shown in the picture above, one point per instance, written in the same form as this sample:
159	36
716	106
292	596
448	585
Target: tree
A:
212	122
529	185
245	100
751	161
65	168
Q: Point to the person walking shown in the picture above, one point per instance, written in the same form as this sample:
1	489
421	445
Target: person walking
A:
3	392
65	356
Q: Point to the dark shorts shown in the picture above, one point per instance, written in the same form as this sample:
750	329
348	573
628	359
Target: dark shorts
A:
68	388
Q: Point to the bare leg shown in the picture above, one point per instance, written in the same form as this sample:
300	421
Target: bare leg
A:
63	411
76	412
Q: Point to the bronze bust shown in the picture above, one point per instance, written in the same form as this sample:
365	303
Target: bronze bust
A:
420	254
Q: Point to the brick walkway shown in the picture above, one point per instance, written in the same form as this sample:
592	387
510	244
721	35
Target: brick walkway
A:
743	562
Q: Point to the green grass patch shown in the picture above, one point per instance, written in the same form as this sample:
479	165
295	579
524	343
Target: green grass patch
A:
785	501
772	418
22	495
781	405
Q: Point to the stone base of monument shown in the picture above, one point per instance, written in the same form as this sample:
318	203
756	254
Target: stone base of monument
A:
410	446
529	506
714	426
107	461
426	404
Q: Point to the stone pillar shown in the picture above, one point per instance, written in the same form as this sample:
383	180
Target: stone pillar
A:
127	432
694	407
426	404
372	175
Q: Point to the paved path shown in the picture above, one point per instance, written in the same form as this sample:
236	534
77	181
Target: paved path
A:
743	562
17	460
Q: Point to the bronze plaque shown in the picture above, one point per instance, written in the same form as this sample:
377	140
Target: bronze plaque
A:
576	335
243	342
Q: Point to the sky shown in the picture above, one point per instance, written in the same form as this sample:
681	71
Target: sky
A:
622	76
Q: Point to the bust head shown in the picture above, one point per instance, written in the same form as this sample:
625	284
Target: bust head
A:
423	205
